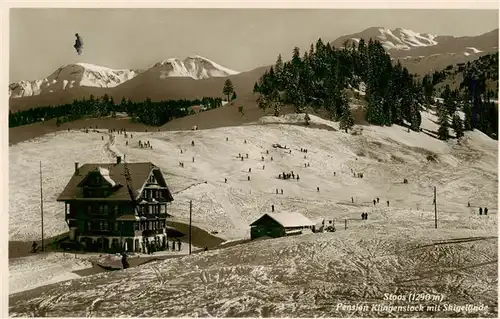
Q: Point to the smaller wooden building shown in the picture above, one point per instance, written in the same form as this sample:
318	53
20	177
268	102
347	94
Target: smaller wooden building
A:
279	225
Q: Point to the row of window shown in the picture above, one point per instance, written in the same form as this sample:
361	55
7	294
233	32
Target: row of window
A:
104	209
104	225
153	193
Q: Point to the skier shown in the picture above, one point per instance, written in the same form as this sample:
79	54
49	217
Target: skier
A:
486	210
387	203
178	244
298	177
248	178
282	191
192	143
480	210
468	204
272	208
225	180
352	199
374	202
378	200
317	188
249	170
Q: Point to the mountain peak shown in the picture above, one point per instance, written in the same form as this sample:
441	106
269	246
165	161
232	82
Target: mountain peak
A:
194	66
72	75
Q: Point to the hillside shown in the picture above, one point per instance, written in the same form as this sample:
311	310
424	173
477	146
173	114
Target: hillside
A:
396	248
454	75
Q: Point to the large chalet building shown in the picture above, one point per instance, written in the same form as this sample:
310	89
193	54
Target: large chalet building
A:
104	212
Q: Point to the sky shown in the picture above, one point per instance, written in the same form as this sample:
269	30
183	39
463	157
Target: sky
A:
41	40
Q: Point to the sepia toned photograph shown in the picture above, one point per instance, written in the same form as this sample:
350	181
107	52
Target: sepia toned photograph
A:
252	162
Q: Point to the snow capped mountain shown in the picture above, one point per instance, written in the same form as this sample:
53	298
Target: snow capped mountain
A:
89	75
70	76
396	39
424	52
195	67
403	39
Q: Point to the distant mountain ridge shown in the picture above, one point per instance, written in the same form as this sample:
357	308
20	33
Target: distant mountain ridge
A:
89	75
423	53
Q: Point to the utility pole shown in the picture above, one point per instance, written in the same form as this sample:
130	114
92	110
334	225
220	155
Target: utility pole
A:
41	202
190	219
435	210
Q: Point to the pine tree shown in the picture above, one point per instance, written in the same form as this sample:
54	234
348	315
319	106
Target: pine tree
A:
228	89
346	119
256	87
457	126
468	115
444	125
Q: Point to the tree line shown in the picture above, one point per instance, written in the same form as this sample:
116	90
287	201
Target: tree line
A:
146	112
321	77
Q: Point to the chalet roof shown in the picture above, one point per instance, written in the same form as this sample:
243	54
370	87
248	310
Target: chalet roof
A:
288	219
139	173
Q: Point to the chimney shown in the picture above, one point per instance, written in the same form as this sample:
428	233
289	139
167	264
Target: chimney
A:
272	208
118	159
77	170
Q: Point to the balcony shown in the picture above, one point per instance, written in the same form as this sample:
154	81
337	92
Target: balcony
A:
148	232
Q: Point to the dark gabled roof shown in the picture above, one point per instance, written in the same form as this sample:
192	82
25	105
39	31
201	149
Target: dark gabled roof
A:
139	173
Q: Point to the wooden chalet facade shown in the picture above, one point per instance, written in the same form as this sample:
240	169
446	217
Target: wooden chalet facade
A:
280	225
103	215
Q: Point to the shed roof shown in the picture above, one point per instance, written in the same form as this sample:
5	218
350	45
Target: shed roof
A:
288	219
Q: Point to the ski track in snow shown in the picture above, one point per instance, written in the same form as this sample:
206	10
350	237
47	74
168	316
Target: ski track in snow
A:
296	276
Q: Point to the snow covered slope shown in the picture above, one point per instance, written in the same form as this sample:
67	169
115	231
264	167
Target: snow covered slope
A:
396	39
195	67
386	155
397	250
403	39
70	76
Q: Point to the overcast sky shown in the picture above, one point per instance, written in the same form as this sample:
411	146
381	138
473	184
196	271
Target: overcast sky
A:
41	40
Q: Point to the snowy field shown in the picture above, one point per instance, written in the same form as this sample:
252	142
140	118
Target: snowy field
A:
371	257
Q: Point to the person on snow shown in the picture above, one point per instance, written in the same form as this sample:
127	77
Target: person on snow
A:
179	244
374	202
480	210
486	210
34	247
125	263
